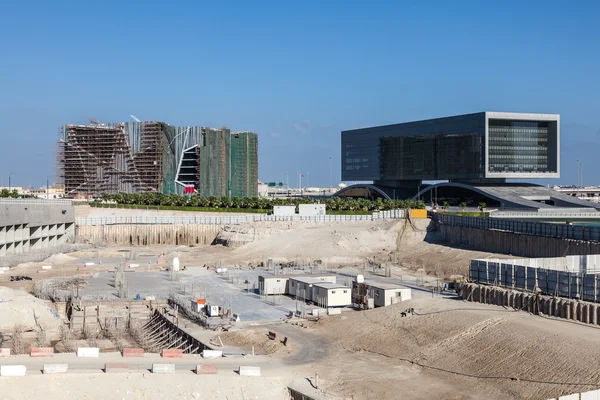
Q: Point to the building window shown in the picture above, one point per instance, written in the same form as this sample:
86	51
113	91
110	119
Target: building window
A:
345	291
333	292
278	280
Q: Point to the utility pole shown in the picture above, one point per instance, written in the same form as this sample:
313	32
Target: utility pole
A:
47	180
9	175
330	180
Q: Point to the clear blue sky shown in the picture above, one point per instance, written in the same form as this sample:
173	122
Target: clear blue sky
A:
296	72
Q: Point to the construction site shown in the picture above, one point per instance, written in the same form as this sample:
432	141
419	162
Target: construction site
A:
308	309
155	157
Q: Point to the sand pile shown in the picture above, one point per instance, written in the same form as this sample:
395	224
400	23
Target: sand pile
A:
59	259
449	346
20	308
259	338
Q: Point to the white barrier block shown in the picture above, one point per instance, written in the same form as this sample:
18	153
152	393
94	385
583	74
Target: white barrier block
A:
163	368
134	265
55	368
88	352
12	370
249	371
46	267
593	395
4	352
89	263
212	353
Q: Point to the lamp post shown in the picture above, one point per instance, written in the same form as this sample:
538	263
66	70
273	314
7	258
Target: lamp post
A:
330	180
9	175
579	174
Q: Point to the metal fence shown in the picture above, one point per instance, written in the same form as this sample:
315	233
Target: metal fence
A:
234	220
577	285
563	231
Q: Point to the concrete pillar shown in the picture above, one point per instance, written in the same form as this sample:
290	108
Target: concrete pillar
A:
505	301
584	313
578	312
488	298
566	309
546	306
511	299
573	307
592	310
598	315
477	293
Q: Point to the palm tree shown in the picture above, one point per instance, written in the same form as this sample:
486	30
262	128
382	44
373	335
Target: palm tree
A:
445	205
482	206
463	206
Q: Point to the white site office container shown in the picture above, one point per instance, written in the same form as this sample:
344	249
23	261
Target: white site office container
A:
311	210
329	295
280	211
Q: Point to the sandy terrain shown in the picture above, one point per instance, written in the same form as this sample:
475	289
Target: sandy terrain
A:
20	308
453	350
258	338
142	386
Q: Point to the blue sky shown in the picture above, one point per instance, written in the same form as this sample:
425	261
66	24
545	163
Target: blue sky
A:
296	72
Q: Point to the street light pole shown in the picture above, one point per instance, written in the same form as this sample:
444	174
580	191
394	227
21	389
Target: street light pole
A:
330	181
9	175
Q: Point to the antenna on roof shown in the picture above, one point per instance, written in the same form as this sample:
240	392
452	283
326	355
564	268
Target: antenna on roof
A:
136	119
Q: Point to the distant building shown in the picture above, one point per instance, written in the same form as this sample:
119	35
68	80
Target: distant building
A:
155	157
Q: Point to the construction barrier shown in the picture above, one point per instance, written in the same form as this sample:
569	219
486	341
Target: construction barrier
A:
172	353
4	352
249	371
12	370
116	367
207	369
132	353
55	368
212	354
88	352
41	352
163	368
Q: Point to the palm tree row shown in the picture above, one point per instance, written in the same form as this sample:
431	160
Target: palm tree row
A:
257	203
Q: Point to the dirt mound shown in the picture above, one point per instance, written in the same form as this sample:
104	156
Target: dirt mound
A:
20	308
461	351
60	259
259	338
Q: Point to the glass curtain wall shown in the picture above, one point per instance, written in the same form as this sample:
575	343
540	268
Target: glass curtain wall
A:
518	146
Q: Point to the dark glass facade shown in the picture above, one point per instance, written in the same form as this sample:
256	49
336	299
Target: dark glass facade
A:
454	148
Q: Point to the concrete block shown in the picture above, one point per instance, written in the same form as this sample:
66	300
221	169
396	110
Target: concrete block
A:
88	352
4	353
334	311
55	368
567	309
12	370
593	314
591	395
163	368
207	369
132	353
172	353
584	313
46	267
41	352
246	370
116	367
212	354
573	310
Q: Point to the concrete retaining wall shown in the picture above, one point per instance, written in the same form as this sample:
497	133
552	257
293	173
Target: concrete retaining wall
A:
587	313
516	244
144	235
212	354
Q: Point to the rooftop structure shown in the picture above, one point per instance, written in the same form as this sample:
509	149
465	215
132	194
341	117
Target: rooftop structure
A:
155	157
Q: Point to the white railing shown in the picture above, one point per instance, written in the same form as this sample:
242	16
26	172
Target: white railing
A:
233	220
56	202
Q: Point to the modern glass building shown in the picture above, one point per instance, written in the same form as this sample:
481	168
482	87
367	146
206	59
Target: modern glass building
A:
485	147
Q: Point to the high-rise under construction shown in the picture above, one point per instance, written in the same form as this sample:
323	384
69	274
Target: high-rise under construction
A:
155	157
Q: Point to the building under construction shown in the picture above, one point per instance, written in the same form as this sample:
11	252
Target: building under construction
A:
155	157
